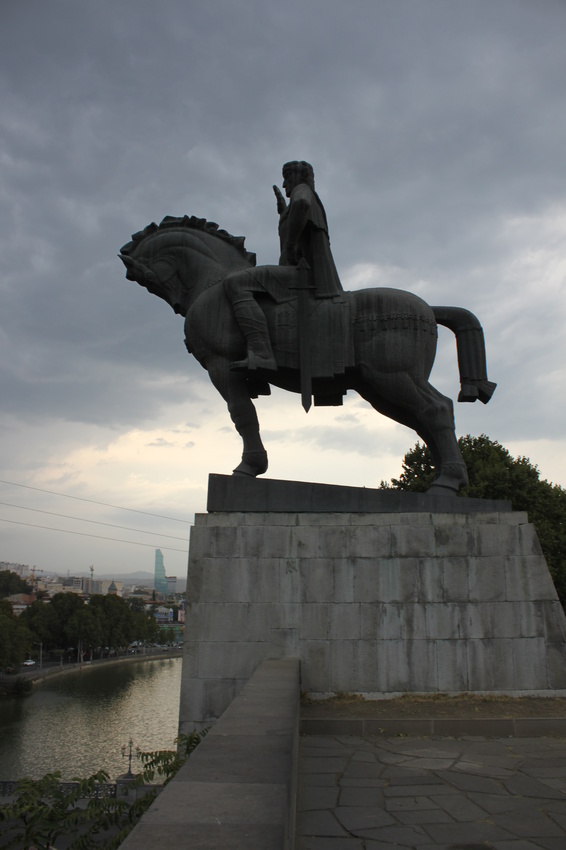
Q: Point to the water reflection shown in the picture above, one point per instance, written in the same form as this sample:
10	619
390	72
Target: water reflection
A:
78	723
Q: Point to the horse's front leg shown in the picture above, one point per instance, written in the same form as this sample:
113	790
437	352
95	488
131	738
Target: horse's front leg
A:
234	389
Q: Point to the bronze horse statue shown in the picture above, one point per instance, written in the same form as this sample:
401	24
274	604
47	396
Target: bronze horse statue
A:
383	341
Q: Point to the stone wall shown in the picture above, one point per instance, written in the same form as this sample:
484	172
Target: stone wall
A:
375	603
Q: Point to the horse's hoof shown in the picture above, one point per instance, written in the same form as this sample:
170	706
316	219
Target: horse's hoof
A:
447	489
253	463
453	477
244	471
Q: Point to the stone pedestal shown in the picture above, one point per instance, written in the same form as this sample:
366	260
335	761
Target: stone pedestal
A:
377	603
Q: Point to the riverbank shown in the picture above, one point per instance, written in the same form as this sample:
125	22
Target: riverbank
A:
9	682
78	724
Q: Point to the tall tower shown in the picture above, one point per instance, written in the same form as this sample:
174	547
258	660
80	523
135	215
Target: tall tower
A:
160	579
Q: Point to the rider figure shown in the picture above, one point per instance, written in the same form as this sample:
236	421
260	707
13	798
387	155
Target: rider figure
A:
303	234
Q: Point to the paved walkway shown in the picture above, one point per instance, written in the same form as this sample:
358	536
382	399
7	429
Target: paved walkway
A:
469	793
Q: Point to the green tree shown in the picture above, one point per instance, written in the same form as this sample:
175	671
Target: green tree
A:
116	618
15	638
41	620
494	474
63	608
44	810
84	629
11	583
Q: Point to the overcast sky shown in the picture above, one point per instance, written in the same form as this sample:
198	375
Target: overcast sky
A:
437	130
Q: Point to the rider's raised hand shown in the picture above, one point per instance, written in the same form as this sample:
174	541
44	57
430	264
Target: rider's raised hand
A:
281	202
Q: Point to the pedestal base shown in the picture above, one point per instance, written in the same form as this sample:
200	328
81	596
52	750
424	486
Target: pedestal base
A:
372	603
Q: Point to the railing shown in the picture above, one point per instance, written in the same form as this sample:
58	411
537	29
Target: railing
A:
104	789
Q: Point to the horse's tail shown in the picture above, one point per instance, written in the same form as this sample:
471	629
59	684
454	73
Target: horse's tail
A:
470	346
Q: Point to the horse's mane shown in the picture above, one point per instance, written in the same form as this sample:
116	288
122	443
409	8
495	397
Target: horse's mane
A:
190	223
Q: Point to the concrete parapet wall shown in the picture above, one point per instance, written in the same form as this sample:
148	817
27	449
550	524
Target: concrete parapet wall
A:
238	789
373	603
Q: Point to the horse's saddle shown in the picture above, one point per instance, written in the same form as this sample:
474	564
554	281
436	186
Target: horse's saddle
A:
326	325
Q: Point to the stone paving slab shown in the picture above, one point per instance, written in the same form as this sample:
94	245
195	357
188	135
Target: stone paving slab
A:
469	793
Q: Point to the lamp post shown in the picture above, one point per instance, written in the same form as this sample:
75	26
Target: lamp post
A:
129	774
40	642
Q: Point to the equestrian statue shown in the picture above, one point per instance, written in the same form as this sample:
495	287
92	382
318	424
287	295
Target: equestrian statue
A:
292	325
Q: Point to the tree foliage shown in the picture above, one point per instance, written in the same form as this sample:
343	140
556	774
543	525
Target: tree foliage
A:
15	638
11	583
104	621
45	810
494	474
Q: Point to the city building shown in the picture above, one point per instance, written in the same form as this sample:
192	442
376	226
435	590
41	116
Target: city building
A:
160	579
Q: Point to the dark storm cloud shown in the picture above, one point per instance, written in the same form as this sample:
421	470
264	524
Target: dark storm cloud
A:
430	126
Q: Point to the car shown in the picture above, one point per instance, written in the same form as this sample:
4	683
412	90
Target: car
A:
29	663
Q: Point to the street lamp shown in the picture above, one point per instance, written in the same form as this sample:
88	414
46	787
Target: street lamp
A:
40	642
129	774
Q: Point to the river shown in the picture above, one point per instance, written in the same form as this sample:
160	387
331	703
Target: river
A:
78	723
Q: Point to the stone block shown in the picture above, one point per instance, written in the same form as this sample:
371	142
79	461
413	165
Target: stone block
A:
496	540
195	579
225	542
365	577
530	544
413	620
264	541
315	621
283	643
278	615
224	621
194	621
431	579
365	665
343	674
487	579
193	710
452	665
517	619
260	617
528	578
398	580
217	696
191	649
491	665
199	542
458	621
529	662
406	666
343	573
316	580
289	579
316	665
454	540
380	621
264	576
412	541
369	541
456	581
554	621
221	659
332	541
223	581
306	542
344	621
556	665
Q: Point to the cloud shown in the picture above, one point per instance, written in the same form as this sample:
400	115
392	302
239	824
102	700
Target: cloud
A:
437	133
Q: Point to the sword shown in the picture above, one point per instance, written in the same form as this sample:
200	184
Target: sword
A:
303	286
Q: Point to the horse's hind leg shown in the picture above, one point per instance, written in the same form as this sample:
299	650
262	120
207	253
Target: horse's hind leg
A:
420	406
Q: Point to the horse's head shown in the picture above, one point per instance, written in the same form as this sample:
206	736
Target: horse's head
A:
180	257
159	276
